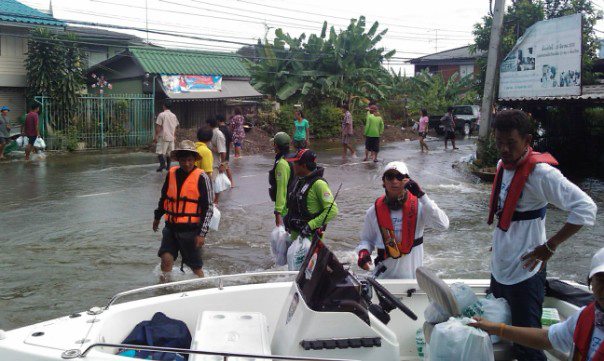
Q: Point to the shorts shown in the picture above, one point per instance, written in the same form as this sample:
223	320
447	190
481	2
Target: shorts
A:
346	138
237	144
32	140
300	144
423	135
164	146
4	140
372	144
184	242
450	135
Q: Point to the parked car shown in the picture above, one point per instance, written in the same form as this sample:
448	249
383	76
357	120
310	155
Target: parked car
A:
465	119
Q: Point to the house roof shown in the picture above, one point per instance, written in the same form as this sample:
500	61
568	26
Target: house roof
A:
457	54
172	61
89	34
16	12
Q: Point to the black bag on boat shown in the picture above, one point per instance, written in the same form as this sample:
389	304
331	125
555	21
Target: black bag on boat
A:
565	292
161	331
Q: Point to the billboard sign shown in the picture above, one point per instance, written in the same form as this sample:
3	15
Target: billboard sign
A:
191	83
546	61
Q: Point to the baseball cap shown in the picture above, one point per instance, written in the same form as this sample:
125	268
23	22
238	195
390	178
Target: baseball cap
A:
303	156
400	167
597	263
281	139
185	146
4	108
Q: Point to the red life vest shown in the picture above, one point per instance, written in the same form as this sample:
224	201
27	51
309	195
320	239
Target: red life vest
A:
393	248
523	170
583	334
183	207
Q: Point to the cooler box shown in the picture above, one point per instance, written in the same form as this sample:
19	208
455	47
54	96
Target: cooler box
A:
230	332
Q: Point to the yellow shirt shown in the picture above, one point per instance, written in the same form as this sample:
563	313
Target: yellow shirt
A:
207	159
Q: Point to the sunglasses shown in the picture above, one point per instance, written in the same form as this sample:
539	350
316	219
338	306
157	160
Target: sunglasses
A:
398	176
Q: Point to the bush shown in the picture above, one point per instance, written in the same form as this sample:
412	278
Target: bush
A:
325	121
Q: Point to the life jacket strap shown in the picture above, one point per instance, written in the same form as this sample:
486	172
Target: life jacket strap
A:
528	215
382	254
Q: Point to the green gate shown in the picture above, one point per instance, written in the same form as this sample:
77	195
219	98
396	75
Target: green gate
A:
98	122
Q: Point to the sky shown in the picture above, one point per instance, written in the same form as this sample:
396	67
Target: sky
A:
415	28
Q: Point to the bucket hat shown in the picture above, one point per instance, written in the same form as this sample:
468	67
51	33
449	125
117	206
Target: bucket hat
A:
185	146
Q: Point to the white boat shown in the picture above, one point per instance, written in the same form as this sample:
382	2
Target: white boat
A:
320	313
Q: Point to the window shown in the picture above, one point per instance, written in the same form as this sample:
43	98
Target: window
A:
466	70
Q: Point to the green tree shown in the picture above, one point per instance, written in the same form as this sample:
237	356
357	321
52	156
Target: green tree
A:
55	68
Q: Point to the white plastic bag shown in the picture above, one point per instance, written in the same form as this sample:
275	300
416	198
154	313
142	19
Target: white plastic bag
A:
465	298
22	141
455	341
297	252
215	221
495	310
221	183
39	143
434	314
279	243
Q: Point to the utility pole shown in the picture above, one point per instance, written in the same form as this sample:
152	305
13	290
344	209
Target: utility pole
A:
436	40
147	20
492	70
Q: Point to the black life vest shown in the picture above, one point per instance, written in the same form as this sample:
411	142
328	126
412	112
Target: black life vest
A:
272	178
297	195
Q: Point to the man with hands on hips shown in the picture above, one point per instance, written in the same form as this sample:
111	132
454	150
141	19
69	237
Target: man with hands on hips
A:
395	224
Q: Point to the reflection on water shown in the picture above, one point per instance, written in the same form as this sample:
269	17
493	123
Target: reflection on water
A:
76	229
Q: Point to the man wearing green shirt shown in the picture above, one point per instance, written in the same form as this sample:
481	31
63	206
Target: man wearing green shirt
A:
309	201
374	127
280	176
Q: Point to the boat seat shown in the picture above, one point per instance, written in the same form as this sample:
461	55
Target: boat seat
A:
440	293
230	332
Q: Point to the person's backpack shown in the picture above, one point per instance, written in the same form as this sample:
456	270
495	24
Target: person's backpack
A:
159	331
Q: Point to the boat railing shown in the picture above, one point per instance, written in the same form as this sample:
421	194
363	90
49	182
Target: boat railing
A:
199	281
75	353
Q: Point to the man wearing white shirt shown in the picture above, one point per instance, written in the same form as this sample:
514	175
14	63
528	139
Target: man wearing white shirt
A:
395	225
524	185
582	333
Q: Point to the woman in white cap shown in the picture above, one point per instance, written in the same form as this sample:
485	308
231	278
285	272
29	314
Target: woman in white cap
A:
583	332
395	224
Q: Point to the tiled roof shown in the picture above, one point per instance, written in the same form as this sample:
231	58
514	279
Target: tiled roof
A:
451	54
15	12
172	61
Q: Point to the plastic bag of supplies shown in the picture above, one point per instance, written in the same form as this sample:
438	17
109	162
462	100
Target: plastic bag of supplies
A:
39	143
279	242
221	183
297	252
215	221
495	310
454	340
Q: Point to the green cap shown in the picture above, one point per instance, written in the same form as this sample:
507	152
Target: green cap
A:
281	139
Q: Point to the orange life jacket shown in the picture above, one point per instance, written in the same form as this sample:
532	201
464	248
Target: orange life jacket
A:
583	334
393	248
521	175
183	207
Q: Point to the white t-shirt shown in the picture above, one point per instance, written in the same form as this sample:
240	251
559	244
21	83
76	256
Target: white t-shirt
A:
218	145
428	215
544	185
561	335
168	122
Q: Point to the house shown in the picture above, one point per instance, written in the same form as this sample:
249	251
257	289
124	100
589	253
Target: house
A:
16	21
99	45
459	60
199	83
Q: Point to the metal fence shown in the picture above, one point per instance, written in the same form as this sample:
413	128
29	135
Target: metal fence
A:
98	122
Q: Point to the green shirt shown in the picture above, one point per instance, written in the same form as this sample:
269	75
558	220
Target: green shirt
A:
374	126
282	174
300	133
319	200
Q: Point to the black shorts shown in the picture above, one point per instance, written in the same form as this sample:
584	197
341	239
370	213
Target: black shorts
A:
372	144
300	144
423	135
32	140
450	135
183	242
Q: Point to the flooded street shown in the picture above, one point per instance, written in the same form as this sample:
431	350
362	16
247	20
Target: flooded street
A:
76	229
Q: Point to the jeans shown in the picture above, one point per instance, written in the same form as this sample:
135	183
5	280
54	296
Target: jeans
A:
526	302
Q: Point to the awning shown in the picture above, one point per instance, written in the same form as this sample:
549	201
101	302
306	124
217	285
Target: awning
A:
589	93
230	89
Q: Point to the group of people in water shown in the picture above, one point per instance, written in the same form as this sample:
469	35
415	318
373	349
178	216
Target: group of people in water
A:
526	182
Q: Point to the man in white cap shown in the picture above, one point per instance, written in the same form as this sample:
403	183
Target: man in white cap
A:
395	224
187	203
582	333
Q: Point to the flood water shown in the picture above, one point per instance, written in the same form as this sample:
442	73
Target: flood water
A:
76	229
